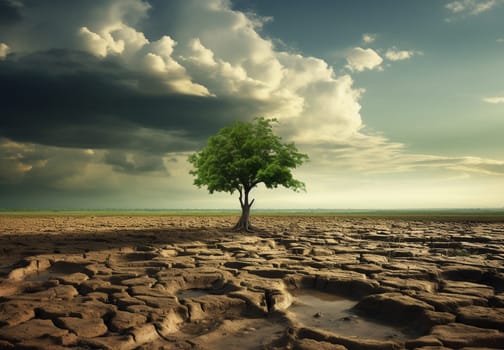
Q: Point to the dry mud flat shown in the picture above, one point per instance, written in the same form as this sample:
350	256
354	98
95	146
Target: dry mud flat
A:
299	283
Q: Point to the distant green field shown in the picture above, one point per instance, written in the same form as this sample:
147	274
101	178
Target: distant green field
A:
489	215
117	212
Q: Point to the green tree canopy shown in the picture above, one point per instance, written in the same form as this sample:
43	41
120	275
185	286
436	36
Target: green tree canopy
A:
241	156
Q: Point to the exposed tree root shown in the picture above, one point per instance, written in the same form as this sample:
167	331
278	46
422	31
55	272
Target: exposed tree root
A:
244	226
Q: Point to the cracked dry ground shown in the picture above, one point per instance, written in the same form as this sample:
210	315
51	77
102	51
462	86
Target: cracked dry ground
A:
189	283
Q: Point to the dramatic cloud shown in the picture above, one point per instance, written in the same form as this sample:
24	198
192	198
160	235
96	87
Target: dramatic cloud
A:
10	12
49	167
219	70
33	175
137	52
471	7
79	101
111	102
360	59
494	100
394	54
105	95
134	162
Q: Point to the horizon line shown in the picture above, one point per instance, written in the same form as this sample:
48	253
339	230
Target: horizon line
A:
262	209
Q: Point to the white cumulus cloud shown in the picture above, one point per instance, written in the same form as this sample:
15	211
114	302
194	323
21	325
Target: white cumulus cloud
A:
394	54
368	38
136	51
471	7
216	52
494	99
360	59
221	49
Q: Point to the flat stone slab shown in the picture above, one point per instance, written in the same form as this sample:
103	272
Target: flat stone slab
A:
16	312
62	292
123	320
8	288
74	279
31	329
86	310
310	344
408	284
449	302
113	342
347	342
467	288
481	316
394	307
139	281
89	328
92	285
457	335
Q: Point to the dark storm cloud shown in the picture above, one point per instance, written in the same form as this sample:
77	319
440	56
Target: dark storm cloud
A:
9	13
72	99
134	163
38	166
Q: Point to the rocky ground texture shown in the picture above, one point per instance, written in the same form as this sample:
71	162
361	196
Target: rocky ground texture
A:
191	283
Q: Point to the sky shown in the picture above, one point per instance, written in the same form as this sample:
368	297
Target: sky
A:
399	104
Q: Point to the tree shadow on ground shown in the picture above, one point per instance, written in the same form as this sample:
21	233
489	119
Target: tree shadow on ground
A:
16	247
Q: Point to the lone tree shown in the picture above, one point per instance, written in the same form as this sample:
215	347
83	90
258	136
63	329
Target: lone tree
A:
241	156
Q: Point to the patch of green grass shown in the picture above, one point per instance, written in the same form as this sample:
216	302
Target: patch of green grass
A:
477	215
116	212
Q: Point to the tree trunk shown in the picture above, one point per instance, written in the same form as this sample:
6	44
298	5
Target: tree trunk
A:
244	223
